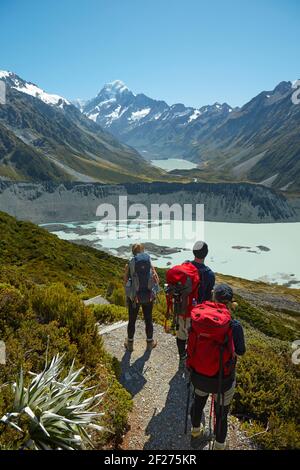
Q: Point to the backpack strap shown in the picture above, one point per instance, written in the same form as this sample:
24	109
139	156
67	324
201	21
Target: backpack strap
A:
134	279
131	266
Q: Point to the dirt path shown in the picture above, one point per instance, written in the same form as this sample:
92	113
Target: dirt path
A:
159	393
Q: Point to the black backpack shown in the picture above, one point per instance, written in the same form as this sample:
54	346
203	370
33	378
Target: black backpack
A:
141	279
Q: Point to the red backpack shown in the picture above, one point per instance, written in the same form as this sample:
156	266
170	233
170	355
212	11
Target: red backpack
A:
182	288
210	347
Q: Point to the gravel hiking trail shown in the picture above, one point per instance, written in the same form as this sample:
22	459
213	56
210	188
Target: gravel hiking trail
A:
159	393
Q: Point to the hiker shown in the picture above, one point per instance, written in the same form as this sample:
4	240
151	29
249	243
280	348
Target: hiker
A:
215	340
141	285
205	283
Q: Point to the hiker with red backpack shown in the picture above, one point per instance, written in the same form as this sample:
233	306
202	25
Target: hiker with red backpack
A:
214	342
188	284
141	286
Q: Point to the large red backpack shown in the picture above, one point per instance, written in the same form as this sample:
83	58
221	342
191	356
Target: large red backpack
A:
210	343
182	288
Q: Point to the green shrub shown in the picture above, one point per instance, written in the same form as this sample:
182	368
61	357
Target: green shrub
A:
55	302
28	344
118	297
265	321
13	307
279	435
109	313
55	320
159	309
116	404
268	391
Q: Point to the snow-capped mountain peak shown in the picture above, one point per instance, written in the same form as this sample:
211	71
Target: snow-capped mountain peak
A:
138	118
4	74
117	85
114	88
14	81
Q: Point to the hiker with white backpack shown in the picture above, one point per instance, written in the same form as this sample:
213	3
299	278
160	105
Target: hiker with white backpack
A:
188	284
215	340
141	286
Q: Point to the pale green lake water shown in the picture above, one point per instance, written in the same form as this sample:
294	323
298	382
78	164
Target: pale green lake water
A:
277	259
174	164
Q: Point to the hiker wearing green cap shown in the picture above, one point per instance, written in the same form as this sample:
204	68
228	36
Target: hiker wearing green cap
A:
214	342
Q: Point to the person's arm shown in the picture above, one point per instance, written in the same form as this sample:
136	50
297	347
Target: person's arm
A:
126	274
210	285
238	338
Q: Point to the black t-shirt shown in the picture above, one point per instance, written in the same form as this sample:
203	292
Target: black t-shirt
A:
207	282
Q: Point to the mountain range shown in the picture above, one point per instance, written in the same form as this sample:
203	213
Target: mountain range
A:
112	137
149	125
258	142
45	137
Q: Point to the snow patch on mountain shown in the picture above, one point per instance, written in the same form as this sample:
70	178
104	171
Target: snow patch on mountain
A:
13	81
140	114
33	90
114	88
94	116
114	115
106	103
4	74
194	116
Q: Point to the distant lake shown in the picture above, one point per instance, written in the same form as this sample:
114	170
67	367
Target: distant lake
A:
267	252
174	164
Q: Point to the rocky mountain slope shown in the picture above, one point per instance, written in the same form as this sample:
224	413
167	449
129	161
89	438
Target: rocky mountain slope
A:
153	127
258	142
45	137
223	202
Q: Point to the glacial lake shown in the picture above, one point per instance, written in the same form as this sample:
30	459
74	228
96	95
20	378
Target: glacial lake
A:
267	252
170	164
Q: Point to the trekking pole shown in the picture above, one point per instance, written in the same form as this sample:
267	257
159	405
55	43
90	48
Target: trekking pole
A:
187	406
211	417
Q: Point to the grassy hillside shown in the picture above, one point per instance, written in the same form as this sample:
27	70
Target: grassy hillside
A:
42	282
30	253
18	161
71	146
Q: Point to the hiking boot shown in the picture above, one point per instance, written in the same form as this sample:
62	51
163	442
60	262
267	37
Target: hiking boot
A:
151	344
128	344
197	437
197	432
181	365
219	445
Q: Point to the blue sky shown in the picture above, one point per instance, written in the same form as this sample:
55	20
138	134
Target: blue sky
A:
191	51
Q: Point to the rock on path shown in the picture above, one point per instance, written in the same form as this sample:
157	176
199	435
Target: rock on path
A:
159	393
